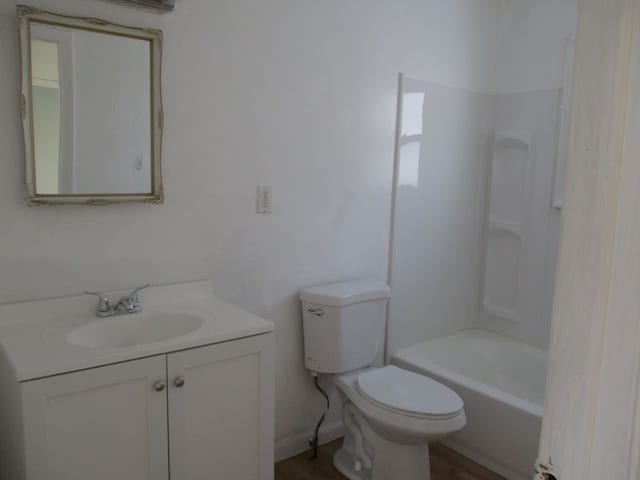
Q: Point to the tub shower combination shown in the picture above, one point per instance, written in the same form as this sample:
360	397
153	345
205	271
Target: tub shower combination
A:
502	383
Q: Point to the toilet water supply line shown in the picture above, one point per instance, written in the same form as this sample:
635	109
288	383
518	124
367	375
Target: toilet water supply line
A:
313	442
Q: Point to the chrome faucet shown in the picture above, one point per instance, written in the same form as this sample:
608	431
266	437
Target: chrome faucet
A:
126	305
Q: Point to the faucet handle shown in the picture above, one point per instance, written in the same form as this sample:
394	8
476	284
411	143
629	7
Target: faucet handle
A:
132	298
103	301
134	293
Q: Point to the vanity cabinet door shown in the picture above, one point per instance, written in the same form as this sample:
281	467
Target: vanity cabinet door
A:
105	423
221	411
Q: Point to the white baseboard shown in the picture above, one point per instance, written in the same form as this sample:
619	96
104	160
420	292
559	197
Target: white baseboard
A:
296	444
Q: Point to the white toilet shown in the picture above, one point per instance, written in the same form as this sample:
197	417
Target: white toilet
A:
390	415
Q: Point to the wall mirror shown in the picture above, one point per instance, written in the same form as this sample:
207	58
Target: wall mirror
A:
91	109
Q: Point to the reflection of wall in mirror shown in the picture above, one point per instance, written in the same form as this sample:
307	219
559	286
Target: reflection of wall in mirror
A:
112	114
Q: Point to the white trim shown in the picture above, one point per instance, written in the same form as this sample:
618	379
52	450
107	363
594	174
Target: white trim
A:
620	367
394	195
564	115
594	352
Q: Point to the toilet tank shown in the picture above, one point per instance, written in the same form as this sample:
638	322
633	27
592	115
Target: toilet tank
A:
344	325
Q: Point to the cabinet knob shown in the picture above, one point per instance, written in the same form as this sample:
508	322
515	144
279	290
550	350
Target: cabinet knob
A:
159	386
179	382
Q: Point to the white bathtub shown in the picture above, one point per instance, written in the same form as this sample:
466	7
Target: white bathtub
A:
502	384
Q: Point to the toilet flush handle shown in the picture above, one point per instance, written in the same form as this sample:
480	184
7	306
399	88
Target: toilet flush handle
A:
318	312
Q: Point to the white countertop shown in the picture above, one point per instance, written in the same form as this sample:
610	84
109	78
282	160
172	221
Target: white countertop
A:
33	334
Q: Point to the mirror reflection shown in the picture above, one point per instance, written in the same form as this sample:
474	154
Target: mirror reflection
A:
92	110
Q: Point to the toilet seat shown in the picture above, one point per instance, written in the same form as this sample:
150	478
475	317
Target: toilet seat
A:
407	393
398	425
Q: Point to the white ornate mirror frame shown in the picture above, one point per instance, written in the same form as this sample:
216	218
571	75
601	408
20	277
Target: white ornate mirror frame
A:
28	15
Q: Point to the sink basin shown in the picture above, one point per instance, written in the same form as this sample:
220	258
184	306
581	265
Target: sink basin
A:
131	330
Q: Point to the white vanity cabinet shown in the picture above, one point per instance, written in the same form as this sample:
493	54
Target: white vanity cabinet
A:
104	423
221	418
201	413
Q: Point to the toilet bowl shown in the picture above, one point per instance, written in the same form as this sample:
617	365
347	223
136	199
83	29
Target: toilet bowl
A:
390	417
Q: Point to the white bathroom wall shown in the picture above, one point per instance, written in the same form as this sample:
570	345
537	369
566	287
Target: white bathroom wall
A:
531	39
296	94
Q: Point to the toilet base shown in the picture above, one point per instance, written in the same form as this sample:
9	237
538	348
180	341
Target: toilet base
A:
343	460
344	463
387	460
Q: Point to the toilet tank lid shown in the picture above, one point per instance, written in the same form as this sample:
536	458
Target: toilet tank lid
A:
346	293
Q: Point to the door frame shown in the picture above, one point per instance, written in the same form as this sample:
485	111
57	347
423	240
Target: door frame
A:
66	156
591	423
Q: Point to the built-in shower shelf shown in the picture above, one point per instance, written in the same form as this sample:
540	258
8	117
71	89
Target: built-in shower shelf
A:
510	171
